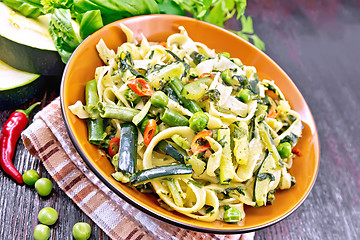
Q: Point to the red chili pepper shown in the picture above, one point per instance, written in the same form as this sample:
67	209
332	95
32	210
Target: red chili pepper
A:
140	87
296	151
114	146
272	113
162	44
206	75
9	135
199	143
149	132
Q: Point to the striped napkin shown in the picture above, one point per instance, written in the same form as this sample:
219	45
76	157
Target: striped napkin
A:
47	140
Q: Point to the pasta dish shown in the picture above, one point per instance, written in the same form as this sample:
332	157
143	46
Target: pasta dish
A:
197	128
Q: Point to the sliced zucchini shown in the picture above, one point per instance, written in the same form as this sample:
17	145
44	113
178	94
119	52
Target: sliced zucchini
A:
16	87
159	172
196	89
128	149
172	150
226	166
142	114
26	43
263	179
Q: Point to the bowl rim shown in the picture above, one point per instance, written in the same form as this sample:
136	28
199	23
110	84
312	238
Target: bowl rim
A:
164	217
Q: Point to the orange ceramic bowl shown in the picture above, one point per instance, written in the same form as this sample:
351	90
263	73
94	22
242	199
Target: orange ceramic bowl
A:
81	68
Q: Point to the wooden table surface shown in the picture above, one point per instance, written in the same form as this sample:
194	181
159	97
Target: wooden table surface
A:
318	44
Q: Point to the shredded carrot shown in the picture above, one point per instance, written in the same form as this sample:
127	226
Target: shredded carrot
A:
272	113
296	151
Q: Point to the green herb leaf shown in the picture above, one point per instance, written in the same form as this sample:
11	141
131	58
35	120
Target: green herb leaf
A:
263	176
90	22
31	9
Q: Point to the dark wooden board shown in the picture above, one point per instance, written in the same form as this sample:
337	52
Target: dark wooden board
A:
317	44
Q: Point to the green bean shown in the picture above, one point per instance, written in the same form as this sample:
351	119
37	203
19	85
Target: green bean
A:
191	105
159	99
232	215
113	111
96	134
91	98
173	118
198	121
131	96
284	149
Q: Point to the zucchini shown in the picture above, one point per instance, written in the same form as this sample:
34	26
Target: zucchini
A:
16	87
159	172
263	178
197	89
175	192
269	143
181	141
241	143
226	166
138	118
128	149
26	43
172	150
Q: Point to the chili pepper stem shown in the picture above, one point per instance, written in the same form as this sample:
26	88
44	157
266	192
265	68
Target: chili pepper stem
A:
29	109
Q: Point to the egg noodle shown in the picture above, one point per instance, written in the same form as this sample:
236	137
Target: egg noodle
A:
237	132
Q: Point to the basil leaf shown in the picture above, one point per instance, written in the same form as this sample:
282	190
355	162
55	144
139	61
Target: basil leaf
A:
90	22
31	9
170	7
62	33
263	176
112	10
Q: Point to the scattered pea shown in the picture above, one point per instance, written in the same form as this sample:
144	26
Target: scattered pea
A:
41	232
284	149
198	121
43	186
227	76
81	231
30	177
245	95
48	216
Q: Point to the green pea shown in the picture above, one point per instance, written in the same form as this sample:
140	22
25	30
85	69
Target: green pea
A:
227	76
81	231
245	95
48	216
232	215
41	232
198	121
30	177
43	186
284	149
225	54
159	99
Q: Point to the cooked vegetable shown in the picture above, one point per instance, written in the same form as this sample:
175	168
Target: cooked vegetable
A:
198	121
232	215
196	90
127	149
245	95
226	166
9	136
284	149
177	86
140	87
173	118
96	134
114	146
172	151
199	143
174	192
159	172
181	142
91	98
113	111
159	99
149	131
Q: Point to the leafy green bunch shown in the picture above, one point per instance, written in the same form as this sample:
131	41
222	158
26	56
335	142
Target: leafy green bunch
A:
89	15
